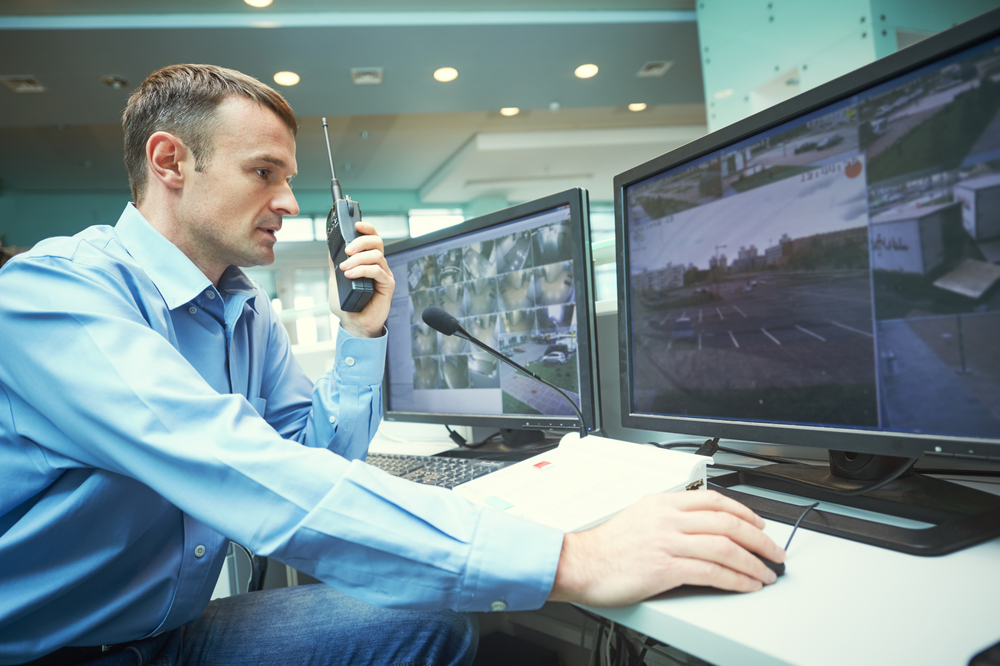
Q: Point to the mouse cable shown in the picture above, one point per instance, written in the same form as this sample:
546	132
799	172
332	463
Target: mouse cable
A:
798	522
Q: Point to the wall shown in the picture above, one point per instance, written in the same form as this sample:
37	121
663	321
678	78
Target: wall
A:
27	217
761	52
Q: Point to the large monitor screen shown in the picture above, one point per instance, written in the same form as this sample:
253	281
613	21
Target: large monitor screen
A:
833	271
519	281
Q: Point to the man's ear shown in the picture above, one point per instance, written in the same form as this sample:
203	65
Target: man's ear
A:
164	155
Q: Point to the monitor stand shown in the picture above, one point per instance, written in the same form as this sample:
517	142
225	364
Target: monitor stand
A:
959	516
513	444
521	439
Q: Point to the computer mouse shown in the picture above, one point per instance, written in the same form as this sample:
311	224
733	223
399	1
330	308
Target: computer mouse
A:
777	567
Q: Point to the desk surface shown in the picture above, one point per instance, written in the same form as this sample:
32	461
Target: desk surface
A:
840	602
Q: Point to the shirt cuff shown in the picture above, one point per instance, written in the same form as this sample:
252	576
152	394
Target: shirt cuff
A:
512	565
360	361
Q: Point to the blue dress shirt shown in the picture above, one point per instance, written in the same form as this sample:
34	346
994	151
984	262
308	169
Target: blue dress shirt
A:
147	418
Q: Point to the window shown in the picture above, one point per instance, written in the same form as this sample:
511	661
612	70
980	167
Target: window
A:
425	220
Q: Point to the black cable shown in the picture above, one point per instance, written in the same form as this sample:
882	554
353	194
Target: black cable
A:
886	480
461	441
455	437
648	643
758	456
709	448
797	522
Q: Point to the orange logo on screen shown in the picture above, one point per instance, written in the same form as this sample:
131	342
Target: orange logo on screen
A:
853	169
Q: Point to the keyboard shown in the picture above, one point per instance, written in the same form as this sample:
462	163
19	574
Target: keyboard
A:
434	470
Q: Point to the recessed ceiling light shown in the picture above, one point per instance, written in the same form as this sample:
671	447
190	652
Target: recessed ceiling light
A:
116	82
655	68
286	78
23	84
637	106
586	71
367	76
723	94
446	74
510	111
258	3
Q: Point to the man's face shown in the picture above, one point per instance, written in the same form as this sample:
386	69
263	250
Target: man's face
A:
229	212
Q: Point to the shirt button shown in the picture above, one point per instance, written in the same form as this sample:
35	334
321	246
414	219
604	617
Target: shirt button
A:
349	361
333	419
498	606
210	294
199	551
193	310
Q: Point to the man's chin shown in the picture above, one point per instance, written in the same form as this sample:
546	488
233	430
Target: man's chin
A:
262	258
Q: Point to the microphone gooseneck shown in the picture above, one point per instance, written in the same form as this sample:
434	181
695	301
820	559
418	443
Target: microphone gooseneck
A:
442	322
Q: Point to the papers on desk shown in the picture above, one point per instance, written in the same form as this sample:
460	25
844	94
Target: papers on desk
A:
583	482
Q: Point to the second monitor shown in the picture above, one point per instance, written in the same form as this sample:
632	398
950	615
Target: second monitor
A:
519	280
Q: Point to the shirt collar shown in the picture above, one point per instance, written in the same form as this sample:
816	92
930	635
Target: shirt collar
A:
176	277
235	281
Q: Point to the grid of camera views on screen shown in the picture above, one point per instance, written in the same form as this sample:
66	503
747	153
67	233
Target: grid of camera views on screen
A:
512	290
841	269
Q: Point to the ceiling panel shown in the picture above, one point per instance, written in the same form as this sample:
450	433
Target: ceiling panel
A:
68	138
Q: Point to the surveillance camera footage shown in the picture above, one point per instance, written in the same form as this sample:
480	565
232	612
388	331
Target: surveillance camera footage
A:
841	269
511	286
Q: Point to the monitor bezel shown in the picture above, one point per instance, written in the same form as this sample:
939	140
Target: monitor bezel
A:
579	209
926	52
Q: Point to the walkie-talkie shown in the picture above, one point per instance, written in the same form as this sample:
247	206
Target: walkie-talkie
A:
354	294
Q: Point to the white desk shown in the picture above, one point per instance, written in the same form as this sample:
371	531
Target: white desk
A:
839	602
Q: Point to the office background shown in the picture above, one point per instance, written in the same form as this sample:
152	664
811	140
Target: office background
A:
409	147
410	142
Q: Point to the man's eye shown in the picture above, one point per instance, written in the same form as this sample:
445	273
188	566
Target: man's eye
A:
263	173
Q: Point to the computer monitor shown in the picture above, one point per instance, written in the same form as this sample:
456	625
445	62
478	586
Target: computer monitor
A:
825	273
519	280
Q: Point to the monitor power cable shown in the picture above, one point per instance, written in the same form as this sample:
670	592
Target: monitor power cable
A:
464	443
863	490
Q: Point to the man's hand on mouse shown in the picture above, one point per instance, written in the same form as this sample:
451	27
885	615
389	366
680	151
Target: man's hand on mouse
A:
662	542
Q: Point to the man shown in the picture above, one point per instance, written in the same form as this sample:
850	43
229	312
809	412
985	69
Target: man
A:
150	411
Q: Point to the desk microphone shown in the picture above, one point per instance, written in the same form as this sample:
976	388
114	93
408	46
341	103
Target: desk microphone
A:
444	323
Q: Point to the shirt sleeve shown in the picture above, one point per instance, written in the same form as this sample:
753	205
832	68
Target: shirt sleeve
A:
342	411
98	383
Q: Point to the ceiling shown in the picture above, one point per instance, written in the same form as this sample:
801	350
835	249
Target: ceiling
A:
445	141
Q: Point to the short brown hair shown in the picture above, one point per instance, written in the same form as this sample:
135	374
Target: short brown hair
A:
181	100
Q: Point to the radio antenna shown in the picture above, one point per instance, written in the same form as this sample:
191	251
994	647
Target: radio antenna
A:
334	184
